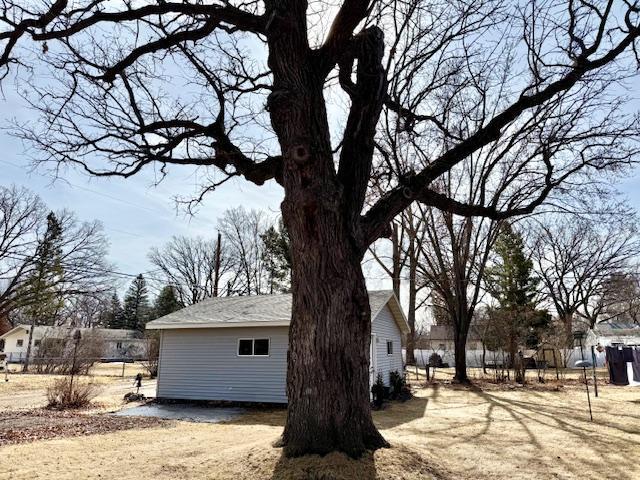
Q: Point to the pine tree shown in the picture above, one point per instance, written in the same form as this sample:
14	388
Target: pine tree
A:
136	305
42	301
512	283
166	302
277	258
114	315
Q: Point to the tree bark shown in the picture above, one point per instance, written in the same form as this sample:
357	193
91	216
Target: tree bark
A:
328	359
460	351
411	314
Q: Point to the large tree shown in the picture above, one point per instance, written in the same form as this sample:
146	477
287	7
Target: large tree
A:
166	302
575	258
136	310
189	264
24	224
40	288
511	280
276	254
539	79
407	233
22	219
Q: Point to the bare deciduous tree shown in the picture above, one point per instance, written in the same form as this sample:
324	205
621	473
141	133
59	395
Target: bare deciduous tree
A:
454	257
189	265
83	249
575	257
539	79
406	236
242	232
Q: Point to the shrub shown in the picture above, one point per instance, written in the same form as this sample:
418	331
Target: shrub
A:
399	388
153	353
378	391
435	360
55	355
397	383
60	394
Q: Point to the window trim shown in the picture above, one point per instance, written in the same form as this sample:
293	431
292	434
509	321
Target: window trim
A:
253	346
389	342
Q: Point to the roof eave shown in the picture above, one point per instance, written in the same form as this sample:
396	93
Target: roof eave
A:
174	326
396	311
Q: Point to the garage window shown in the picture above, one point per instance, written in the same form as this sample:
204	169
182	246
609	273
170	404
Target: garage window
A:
253	347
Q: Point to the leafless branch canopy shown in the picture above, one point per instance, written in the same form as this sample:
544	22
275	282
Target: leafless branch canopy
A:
533	90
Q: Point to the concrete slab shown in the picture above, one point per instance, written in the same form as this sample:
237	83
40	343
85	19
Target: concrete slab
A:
189	413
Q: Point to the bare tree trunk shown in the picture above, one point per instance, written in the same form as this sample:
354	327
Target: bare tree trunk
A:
328	361
396	267
411	314
484	358
460	331
216	271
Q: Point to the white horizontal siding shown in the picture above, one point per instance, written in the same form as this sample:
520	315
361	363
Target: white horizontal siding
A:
386	329
203	364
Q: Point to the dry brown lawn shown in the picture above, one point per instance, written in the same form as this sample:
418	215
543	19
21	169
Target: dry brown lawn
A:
27	391
444	432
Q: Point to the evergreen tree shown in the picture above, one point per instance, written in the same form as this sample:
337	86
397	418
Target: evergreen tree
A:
41	298
511	281
114	315
277	258
166	302
136	304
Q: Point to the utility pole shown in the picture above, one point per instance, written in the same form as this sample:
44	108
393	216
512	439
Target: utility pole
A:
216	273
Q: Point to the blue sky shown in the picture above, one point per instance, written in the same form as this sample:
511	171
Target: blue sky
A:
138	215
135	213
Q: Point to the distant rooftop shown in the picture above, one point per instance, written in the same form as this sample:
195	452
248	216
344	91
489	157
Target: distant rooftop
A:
617	329
64	331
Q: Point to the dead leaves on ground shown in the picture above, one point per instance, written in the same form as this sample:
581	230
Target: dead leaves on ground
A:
41	424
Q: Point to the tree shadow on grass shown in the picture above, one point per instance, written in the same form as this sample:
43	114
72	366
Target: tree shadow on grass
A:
393	414
576	428
399	413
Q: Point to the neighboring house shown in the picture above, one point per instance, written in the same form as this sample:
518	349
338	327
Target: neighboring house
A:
608	333
235	348
440	338
116	344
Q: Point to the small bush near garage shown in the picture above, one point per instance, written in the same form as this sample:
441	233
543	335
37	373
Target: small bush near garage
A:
399	388
62	394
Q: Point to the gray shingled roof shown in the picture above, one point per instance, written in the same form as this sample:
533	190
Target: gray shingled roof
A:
252	310
612	329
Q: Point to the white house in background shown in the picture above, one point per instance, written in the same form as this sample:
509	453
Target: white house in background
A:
118	344
608	333
235	348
